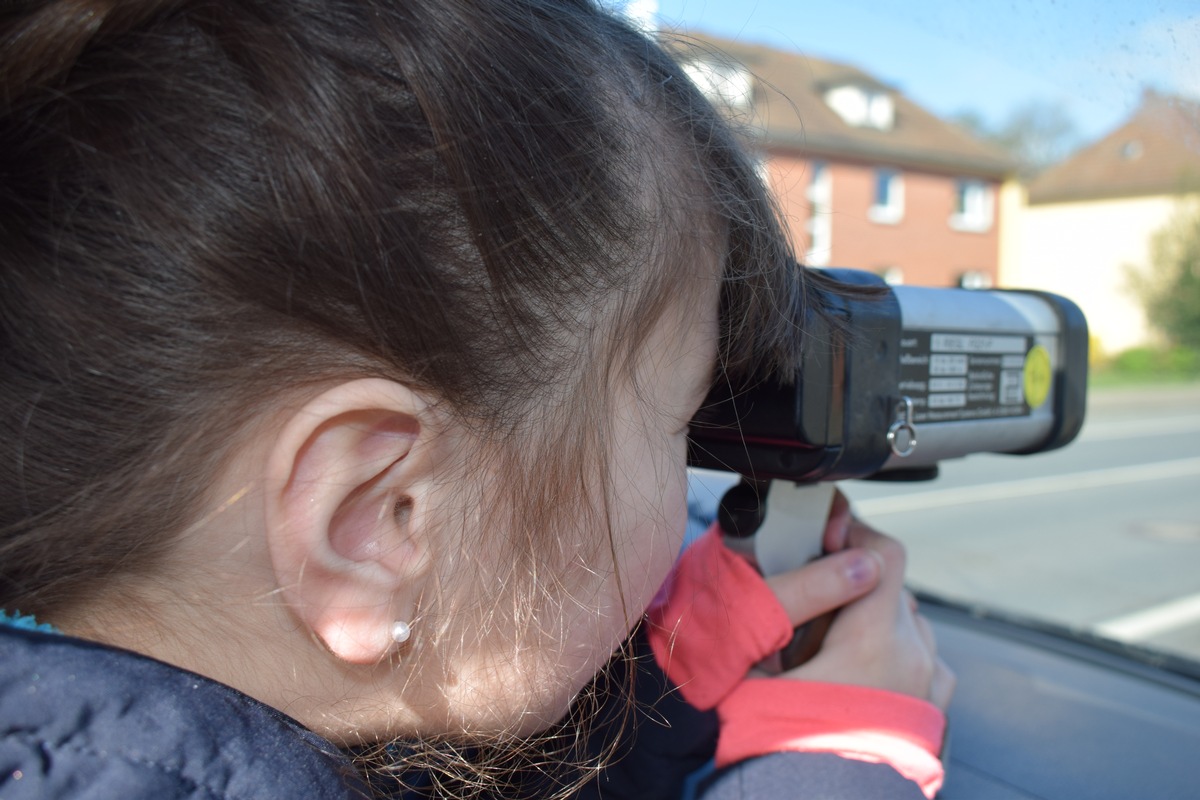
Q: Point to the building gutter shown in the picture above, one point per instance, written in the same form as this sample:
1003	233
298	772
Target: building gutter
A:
841	147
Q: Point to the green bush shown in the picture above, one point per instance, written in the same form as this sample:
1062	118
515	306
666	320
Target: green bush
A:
1169	286
1149	364
1138	361
1182	361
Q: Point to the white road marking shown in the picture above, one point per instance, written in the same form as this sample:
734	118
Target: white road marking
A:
1027	487
1152	621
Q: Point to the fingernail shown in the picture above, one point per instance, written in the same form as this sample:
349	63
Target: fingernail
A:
861	569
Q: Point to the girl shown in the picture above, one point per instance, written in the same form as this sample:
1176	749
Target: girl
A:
349	349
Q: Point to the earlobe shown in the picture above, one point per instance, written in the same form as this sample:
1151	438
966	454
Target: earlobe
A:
347	484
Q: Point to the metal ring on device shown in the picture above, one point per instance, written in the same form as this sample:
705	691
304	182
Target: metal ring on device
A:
903	422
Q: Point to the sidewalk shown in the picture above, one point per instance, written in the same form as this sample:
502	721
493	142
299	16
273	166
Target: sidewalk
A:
1159	395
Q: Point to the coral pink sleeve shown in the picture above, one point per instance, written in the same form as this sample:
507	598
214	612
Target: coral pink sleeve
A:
715	618
712	621
771	715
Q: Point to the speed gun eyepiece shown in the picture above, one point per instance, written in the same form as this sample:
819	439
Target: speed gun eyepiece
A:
910	377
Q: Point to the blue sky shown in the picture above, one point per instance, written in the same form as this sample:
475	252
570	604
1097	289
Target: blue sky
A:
1092	57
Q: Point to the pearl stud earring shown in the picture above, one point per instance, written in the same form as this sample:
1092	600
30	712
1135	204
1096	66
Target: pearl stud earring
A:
401	631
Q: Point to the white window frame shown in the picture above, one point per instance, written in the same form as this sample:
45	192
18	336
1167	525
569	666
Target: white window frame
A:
974	279
820	215
728	85
891	210
974	206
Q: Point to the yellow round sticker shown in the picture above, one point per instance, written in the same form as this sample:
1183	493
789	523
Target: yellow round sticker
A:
1038	376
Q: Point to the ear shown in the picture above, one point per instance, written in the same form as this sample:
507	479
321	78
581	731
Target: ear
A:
348	478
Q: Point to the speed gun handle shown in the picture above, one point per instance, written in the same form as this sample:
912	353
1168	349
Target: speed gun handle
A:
780	526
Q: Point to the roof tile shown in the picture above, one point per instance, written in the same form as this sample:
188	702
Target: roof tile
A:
790	112
1155	152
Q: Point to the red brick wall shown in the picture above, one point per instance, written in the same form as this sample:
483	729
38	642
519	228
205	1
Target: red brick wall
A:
922	244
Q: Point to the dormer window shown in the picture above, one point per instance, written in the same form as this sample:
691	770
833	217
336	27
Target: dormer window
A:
724	84
862	106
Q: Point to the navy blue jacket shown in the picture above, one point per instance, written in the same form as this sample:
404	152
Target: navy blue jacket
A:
81	720
667	745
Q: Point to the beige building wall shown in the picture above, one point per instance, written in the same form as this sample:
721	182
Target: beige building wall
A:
1079	250
1011	206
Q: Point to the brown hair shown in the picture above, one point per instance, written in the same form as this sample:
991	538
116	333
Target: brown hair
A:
207	205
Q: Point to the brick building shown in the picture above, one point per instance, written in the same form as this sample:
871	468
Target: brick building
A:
865	177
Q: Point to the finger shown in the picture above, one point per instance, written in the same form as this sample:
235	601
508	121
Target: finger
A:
941	689
890	550
860	534
827	583
925	630
885	604
838	525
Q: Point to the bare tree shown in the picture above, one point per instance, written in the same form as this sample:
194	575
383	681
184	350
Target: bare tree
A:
1036	133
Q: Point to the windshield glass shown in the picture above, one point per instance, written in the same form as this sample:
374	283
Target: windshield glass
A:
1052	146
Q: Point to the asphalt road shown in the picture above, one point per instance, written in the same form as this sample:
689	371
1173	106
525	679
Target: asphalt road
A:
1103	534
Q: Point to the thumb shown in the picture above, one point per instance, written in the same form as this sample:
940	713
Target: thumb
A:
827	583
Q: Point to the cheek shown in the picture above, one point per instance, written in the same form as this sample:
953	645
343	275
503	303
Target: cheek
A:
647	517
528	680
654	513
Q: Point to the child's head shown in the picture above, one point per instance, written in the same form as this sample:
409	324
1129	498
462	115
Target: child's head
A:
319	314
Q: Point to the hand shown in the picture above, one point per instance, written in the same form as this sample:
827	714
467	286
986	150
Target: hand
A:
894	688
715	617
878	640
